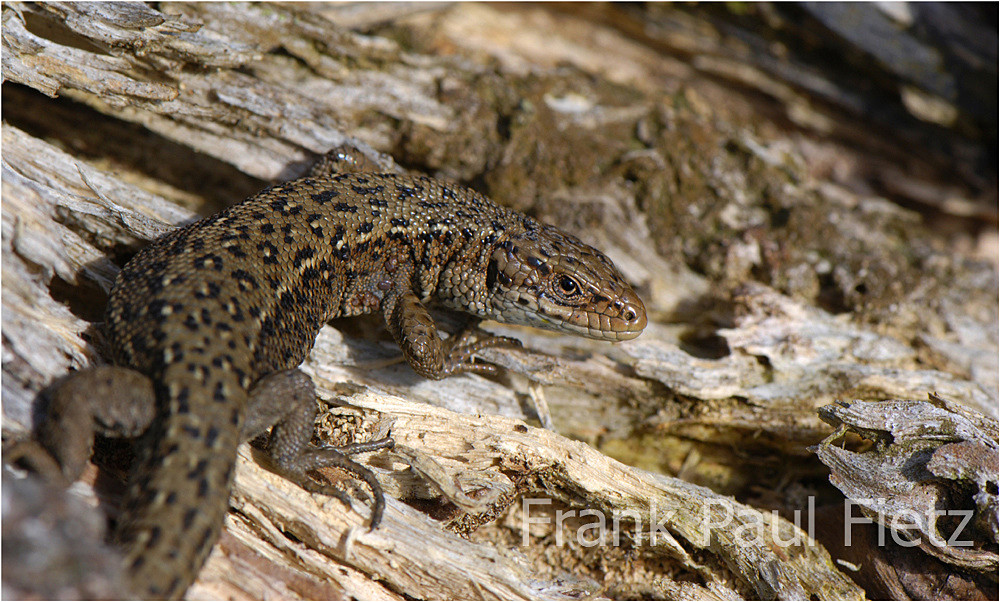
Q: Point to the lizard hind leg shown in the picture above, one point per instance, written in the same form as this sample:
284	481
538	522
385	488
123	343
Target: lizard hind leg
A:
110	401
287	401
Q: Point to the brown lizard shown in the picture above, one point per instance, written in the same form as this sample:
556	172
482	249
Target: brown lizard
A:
207	325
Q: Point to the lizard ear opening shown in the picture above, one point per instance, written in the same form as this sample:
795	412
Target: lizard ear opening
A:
491	274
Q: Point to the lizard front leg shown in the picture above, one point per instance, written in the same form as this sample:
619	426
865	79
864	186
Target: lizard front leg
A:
347	158
414	330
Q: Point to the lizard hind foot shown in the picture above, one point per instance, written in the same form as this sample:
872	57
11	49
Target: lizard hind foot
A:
287	400
29	454
313	459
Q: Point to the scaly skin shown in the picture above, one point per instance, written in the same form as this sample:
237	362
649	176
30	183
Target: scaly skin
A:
210	321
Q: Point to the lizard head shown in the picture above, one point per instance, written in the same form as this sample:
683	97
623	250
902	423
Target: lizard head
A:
549	279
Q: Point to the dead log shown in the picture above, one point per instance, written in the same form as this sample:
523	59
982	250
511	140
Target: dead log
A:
772	294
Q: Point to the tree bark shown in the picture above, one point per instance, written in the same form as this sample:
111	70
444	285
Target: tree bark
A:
775	293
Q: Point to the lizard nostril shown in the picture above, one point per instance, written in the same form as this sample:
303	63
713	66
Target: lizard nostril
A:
633	313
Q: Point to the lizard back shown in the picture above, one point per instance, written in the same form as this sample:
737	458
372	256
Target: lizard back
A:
209	309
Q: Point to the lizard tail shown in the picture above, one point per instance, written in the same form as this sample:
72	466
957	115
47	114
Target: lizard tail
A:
178	493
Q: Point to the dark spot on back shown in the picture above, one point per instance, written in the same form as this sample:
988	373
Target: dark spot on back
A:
302	255
325	196
211	436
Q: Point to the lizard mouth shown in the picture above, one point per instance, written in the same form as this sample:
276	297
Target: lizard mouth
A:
619	319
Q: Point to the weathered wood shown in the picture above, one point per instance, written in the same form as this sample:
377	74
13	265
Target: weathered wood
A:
929	475
771	294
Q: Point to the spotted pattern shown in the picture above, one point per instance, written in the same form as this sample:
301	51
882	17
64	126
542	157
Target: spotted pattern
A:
210	309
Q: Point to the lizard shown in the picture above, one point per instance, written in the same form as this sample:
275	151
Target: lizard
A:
206	327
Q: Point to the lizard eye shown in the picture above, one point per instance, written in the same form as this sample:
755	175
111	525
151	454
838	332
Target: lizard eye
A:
568	286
